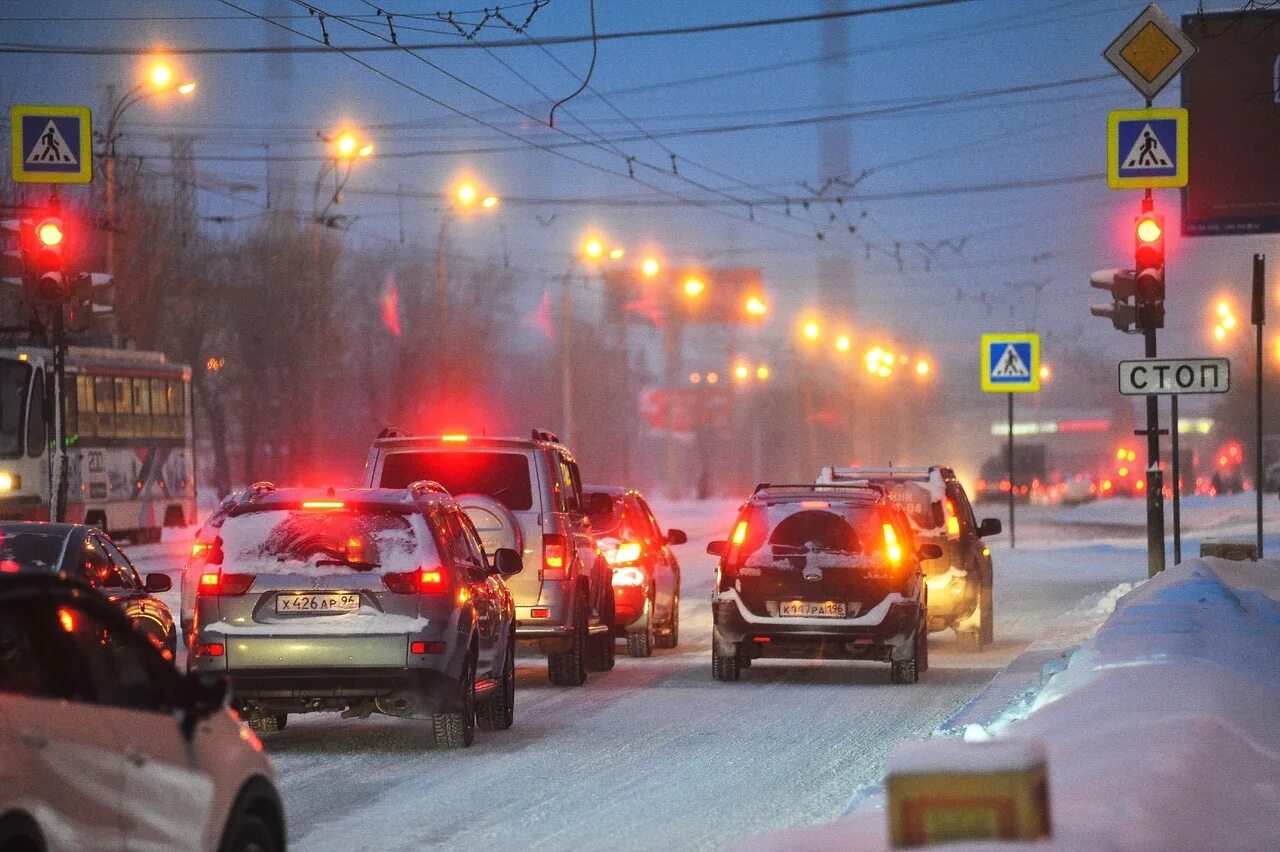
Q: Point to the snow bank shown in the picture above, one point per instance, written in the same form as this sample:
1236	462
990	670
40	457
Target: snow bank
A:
1163	731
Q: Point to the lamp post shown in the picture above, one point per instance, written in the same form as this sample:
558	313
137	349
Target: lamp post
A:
591	253
159	80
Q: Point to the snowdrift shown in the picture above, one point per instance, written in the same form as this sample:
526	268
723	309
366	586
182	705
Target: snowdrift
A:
1163	732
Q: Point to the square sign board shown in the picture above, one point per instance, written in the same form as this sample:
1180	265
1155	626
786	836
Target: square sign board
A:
1146	148
1010	363
51	144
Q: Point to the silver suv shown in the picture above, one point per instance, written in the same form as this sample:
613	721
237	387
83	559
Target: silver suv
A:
360	600
524	494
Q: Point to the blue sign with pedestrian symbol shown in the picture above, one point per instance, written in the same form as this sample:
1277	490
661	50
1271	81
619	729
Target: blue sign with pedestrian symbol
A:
51	144
1010	363
1147	148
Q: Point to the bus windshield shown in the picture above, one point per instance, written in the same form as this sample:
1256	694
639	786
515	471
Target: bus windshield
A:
15	379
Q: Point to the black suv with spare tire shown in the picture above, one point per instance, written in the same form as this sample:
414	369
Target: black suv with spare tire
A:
820	572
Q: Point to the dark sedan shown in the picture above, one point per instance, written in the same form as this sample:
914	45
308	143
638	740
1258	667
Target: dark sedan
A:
85	554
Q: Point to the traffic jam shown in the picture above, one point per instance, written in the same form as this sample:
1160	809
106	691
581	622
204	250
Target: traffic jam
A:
588	425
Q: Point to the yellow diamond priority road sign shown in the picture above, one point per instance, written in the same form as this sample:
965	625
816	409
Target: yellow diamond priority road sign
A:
1150	51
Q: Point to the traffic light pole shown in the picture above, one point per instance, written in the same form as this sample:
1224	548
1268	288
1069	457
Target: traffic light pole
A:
1175	453
1155	476
1259	319
59	467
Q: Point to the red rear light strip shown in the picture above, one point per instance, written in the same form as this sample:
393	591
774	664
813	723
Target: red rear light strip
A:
224	585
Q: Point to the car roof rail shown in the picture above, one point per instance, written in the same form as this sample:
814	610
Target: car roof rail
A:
426	486
393	432
860	485
545	435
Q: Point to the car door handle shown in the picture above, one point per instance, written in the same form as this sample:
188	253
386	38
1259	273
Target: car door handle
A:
136	758
32	738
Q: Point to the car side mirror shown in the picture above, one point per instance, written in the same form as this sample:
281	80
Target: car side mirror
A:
990	526
717	548
204	693
158	583
507	562
929	551
676	537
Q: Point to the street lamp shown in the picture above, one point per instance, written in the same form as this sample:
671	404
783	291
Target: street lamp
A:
158	81
346	147
923	369
457	203
811	331
649	267
843	343
694	287
756	307
763	373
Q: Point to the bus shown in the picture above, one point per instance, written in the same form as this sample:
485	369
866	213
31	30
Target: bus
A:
129	439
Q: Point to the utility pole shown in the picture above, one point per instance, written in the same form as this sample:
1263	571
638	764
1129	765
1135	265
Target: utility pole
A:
1259	318
566	358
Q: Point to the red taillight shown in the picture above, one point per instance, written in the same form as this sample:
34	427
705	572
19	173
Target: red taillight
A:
740	533
953	522
553	556
892	550
212	649
426	647
626	553
424	581
540	612
762	640
224	585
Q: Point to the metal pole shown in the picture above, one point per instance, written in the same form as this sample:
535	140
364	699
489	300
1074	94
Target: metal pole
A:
1177	477
1259	319
1155	476
1013	535
442	302
60	411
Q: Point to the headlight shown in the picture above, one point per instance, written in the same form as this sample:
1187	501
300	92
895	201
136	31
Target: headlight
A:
10	482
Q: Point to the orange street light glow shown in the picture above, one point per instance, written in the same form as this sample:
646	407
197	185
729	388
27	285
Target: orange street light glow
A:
695	378
693	287
346	144
1045	372
489	202
593	248
466	194
365	150
649	267
843	343
712	378
811	330
742	371
616	254
187	88
161	74
1219	332
762	372
756	306
922	367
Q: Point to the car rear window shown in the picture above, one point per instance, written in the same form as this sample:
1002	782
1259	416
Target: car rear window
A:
502	476
35	552
604	510
781	529
287	541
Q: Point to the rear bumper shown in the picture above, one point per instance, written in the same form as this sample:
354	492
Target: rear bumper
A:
883	631
396	691
953	596
631	607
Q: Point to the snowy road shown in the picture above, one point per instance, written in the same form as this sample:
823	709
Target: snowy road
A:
655	754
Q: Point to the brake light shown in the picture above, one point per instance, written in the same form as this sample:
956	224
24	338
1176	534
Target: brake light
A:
953	523
740	533
891	548
200	548
628	577
454	439
224	585
67	619
540	612
212	649
424	581
814	504
322	505
426	647
553	556
626	553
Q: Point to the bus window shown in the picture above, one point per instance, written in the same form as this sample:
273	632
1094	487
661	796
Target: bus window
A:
15	377
159	409
103	394
35	418
71	412
88	426
177	408
123	394
142	425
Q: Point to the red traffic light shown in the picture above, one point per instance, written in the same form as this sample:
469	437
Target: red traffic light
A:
49	232
1149	241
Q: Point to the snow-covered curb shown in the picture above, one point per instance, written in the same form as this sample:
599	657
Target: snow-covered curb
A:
1161	733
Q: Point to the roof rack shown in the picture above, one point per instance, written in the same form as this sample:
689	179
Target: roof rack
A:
426	486
825	486
393	432
544	435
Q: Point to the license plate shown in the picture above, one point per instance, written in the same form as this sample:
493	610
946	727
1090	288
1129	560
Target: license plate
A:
322	602
819	609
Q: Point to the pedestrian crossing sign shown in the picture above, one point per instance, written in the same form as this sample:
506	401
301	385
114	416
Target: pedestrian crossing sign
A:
1146	148
1011	363
51	144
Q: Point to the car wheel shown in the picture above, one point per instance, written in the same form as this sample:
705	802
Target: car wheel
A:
640	644
670	636
987	625
568	668
457	729
922	647
250	833
908	670
601	654
498	713
725	667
